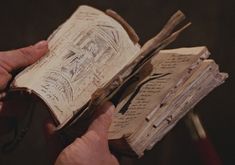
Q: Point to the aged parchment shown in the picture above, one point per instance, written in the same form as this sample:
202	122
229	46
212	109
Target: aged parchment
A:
85	53
169	70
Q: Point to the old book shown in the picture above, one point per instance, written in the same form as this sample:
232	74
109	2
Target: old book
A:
95	57
178	80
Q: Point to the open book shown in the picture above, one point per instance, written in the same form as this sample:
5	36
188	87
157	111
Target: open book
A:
95	57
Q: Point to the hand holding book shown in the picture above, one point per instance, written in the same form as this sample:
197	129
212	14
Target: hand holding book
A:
10	61
95	57
19	58
82	149
92	147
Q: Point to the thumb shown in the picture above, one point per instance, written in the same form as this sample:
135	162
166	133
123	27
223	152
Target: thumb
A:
14	59
103	120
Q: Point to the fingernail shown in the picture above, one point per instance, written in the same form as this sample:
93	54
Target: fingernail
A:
41	44
111	110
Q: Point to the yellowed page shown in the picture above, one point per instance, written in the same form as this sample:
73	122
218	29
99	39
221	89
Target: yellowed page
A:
85	53
205	78
170	69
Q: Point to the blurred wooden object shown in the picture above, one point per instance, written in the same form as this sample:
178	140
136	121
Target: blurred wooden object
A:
202	143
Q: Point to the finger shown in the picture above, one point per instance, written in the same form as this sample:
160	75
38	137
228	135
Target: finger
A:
49	128
4	78
102	109
14	59
103	120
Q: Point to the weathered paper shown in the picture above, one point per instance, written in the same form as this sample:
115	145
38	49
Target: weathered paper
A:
205	78
85	53
169	70
191	78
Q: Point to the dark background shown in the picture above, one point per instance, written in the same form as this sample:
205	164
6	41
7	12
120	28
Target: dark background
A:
25	22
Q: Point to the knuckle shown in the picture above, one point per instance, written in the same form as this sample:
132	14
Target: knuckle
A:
27	54
77	140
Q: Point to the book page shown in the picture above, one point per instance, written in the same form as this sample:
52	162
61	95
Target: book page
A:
203	80
170	69
85	53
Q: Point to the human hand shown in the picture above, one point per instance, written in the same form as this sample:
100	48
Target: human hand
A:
10	61
92	147
19	58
